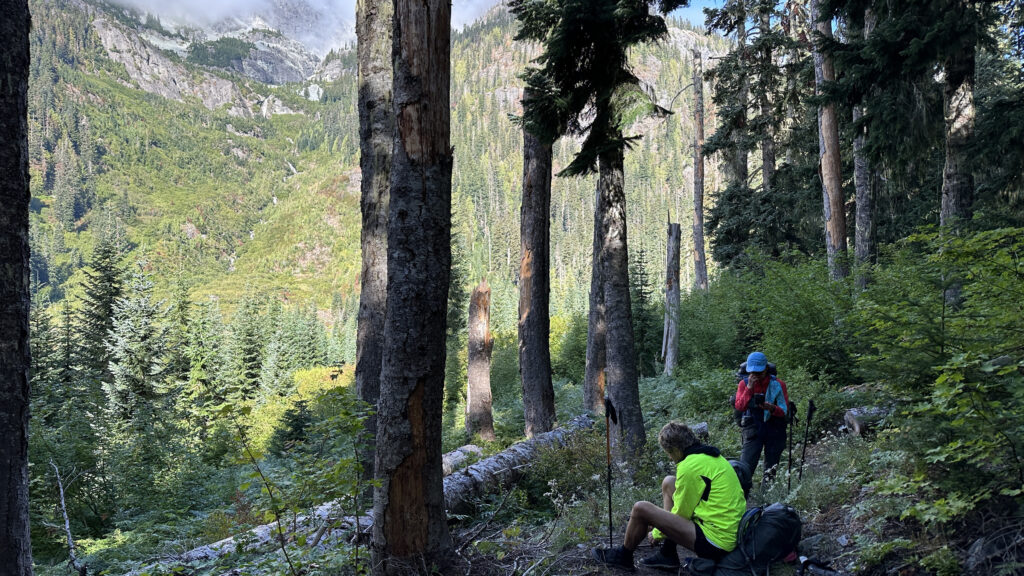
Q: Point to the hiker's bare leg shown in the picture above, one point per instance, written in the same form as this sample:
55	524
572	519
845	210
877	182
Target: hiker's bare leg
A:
646	515
668	489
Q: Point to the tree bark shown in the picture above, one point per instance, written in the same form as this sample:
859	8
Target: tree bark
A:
864	181
768	138
670	341
376	138
594	377
736	159
410	534
957	178
828	146
15	543
535	287
620	369
479	419
700	267
958	108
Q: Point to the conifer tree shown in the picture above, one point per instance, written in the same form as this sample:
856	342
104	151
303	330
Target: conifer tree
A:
582	86
101	288
137	346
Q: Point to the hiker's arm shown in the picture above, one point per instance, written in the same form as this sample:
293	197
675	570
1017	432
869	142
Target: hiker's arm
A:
743	394
780	411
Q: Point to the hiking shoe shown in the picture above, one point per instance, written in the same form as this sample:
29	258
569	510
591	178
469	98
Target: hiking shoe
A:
617	557
661	561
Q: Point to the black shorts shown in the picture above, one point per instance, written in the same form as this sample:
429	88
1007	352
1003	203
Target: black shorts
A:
704	548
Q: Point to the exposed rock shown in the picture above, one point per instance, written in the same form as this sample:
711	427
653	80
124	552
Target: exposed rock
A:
153	72
272	105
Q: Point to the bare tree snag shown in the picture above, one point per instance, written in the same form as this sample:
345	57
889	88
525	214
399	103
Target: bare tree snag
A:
828	146
15	542
768	138
700	266
410	532
535	286
670	339
593	378
479	419
374	20
620	360
82	569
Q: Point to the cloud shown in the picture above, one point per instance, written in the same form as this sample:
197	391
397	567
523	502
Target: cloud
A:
333	26
467	11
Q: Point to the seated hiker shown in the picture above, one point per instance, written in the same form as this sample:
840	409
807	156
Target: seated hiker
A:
763	400
703	504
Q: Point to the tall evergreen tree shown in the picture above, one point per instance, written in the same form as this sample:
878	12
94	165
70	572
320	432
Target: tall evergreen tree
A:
582	85
138	345
15	542
102	286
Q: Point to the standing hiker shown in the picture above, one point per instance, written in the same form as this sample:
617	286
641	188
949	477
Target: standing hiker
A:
703	504
764	403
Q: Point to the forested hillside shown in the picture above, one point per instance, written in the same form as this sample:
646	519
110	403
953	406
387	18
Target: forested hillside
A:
195	242
196	267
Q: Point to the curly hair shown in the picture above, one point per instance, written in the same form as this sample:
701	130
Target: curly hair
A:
676	435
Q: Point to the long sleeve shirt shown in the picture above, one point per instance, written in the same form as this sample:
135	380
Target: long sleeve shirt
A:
776	395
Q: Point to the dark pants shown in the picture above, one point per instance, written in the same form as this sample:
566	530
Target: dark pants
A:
768	436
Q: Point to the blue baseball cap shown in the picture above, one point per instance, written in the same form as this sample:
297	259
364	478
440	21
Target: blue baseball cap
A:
756	362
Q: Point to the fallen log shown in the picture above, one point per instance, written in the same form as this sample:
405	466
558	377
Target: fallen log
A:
325	527
462	489
456	459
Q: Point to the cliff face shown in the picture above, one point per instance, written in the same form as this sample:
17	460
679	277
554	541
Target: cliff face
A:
156	73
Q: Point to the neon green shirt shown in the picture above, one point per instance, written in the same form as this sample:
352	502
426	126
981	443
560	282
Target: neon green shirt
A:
708	493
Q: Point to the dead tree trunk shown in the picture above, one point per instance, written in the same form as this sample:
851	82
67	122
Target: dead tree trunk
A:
376	137
670	339
15	543
535	286
828	145
411	531
700	267
593	379
623	382
479	419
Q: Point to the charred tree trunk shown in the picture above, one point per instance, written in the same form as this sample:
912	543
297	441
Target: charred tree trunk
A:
828	146
15	543
620	369
410	533
700	267
670	340
535	287
376	138
479	419
593	379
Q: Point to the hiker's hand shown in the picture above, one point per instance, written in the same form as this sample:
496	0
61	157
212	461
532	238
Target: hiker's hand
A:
767	406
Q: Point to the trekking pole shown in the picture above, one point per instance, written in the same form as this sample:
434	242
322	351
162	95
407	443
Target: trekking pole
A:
807	428
609	414
789	473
